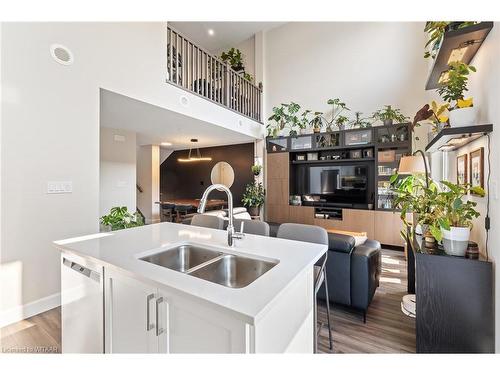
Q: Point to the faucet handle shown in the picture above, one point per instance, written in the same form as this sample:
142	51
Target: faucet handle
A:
242	226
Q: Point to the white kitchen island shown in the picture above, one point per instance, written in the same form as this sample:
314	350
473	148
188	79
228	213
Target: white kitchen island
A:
151	308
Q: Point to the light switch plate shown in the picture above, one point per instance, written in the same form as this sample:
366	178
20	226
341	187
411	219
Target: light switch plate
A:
59	187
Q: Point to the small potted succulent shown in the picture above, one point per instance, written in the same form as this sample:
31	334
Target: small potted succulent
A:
256	169
462	112
456	219
254	197
389	115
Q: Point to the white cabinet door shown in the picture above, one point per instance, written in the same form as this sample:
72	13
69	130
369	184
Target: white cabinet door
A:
130	309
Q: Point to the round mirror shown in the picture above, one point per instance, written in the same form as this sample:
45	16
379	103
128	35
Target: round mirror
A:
222	173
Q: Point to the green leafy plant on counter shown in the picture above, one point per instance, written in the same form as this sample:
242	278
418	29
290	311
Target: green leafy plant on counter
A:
120	218
338	108
389	115
455	85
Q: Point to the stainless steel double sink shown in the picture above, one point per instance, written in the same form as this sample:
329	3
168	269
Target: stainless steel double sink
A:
232	271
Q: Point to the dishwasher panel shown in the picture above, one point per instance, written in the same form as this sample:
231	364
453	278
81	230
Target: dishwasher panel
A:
81	306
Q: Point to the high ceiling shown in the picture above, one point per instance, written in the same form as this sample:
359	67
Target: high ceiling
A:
155	125
225	34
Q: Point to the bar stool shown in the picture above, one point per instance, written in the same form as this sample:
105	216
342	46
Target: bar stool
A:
167	212
314	234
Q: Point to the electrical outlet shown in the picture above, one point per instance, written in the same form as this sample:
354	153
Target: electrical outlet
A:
59	187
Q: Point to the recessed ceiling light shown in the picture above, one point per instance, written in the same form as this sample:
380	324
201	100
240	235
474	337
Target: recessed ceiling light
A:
211	32
166	144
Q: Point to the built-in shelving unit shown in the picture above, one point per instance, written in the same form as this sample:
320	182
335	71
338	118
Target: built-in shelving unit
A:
450	139
468	39
381	147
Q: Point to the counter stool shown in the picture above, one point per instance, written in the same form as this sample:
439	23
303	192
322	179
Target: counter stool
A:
167	212
314	234
183	212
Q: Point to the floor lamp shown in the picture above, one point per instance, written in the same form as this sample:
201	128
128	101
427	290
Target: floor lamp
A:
414	164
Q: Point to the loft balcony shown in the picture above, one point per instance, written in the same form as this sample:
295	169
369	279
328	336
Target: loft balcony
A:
193	69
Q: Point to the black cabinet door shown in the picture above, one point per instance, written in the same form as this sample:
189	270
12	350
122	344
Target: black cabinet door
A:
454	305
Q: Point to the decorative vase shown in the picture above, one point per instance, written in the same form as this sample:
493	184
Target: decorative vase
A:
463	117
388	122
456	240
254	211
316	130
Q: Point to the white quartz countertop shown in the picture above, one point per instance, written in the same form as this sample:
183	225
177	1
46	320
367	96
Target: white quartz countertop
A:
123	248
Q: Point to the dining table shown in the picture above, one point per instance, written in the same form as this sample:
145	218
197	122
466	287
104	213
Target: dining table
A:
211	203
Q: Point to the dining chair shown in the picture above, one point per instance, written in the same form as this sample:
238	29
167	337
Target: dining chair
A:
207	221
260	228
182	212
167	212
314	234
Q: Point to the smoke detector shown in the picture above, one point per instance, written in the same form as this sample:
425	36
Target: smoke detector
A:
61	54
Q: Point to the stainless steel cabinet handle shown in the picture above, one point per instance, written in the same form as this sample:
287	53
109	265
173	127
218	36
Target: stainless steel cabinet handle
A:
149	326
159	330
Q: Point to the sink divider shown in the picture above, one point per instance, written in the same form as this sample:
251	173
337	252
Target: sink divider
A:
208	262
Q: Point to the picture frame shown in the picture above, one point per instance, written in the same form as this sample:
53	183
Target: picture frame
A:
476	158
462	166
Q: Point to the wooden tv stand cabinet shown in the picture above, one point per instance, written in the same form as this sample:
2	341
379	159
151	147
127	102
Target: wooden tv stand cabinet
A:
383	226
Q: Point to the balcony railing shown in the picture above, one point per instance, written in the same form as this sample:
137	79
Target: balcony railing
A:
194	69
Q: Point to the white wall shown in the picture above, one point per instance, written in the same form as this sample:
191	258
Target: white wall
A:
50	132
148	178
117	170
485	89
366	64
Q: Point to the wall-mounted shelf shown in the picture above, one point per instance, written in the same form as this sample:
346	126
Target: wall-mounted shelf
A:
450	139
471	37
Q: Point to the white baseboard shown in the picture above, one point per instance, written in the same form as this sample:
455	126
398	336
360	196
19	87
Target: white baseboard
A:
18	313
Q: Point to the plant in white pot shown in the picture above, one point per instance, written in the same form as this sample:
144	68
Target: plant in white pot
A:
462	112
456	216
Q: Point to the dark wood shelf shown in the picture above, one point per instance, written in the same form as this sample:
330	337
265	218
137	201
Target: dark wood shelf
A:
389	145
330	161
470	36
464	135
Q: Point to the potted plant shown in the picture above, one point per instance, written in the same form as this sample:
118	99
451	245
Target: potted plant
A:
341	122
436	30
456	219
234	58
413	196
256	169
317	121
120	218
462	112
389	115
338	108
439	118
285	119
359	121
254	197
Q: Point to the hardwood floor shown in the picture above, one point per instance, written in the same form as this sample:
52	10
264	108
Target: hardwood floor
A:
38	334
387	329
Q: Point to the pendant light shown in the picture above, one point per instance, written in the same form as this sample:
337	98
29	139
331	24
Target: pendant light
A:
194	158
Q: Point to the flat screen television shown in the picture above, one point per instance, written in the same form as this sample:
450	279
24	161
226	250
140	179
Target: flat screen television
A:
342	184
